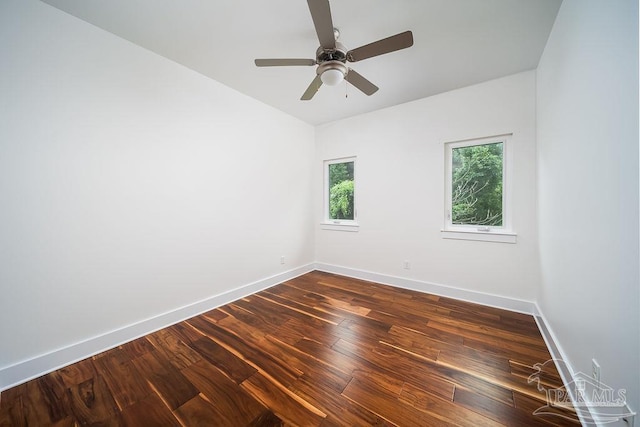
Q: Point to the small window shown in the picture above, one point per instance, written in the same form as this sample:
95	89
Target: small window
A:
340	195
475	186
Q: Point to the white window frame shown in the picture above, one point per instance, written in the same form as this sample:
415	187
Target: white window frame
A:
502	234
339	224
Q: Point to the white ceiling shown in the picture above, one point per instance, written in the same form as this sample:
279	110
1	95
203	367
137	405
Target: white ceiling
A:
457	43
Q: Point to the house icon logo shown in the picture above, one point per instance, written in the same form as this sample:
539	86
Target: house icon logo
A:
583	398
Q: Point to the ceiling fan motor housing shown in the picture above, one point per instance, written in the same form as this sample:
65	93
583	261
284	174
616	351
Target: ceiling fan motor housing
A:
337	54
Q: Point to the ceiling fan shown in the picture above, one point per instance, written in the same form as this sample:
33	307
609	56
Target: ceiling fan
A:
332	55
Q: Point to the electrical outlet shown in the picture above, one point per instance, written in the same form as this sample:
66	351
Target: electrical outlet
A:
282	259
406	265
595	372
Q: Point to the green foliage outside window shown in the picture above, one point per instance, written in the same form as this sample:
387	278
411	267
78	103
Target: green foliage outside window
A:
341	191
476	197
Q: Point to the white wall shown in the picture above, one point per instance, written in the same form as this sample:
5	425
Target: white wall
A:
400	189
587	93
130	185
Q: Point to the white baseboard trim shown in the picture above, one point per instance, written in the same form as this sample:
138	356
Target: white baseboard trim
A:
497	301
560	359
26	370
566	371
569	377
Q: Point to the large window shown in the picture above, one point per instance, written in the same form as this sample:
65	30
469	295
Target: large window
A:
475	186
340	195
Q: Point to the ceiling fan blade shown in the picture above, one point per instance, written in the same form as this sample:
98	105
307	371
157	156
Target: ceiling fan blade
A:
312	89
361	83
281	62
321	15
390	44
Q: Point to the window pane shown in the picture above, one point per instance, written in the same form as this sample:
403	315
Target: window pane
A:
476	191
341	191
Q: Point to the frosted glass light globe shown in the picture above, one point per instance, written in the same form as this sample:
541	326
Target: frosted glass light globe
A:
332	77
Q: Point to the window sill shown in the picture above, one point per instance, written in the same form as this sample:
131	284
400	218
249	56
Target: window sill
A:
337	226
483	236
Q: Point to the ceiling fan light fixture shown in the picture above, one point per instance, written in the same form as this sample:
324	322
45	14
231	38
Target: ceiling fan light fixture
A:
332	77
332	73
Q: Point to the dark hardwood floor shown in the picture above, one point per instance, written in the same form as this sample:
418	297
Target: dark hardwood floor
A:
317	350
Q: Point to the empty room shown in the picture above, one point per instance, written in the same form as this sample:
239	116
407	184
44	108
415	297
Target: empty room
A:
319	213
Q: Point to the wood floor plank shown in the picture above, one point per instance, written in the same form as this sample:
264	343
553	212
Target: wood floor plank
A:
266	419
500	322
340	411
475	361
215	314
415	370
33	408
149	411
92	403
178	353
547	374
339	306
186	333
481	310
199	412
318	293
439	382
508	349
423	312
245	316
499	346
492	369
259	308
53	392
136	348
230	337
284	403
497	411
413	322
363	329
317	350
126	383
311	366
296	329
562	417
10	396
443	409
234	405
480	331
77	373
427	336
385	404
11	414
419	343
308	311
223	359
166	380
328	355
249	331
355	286
289	334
